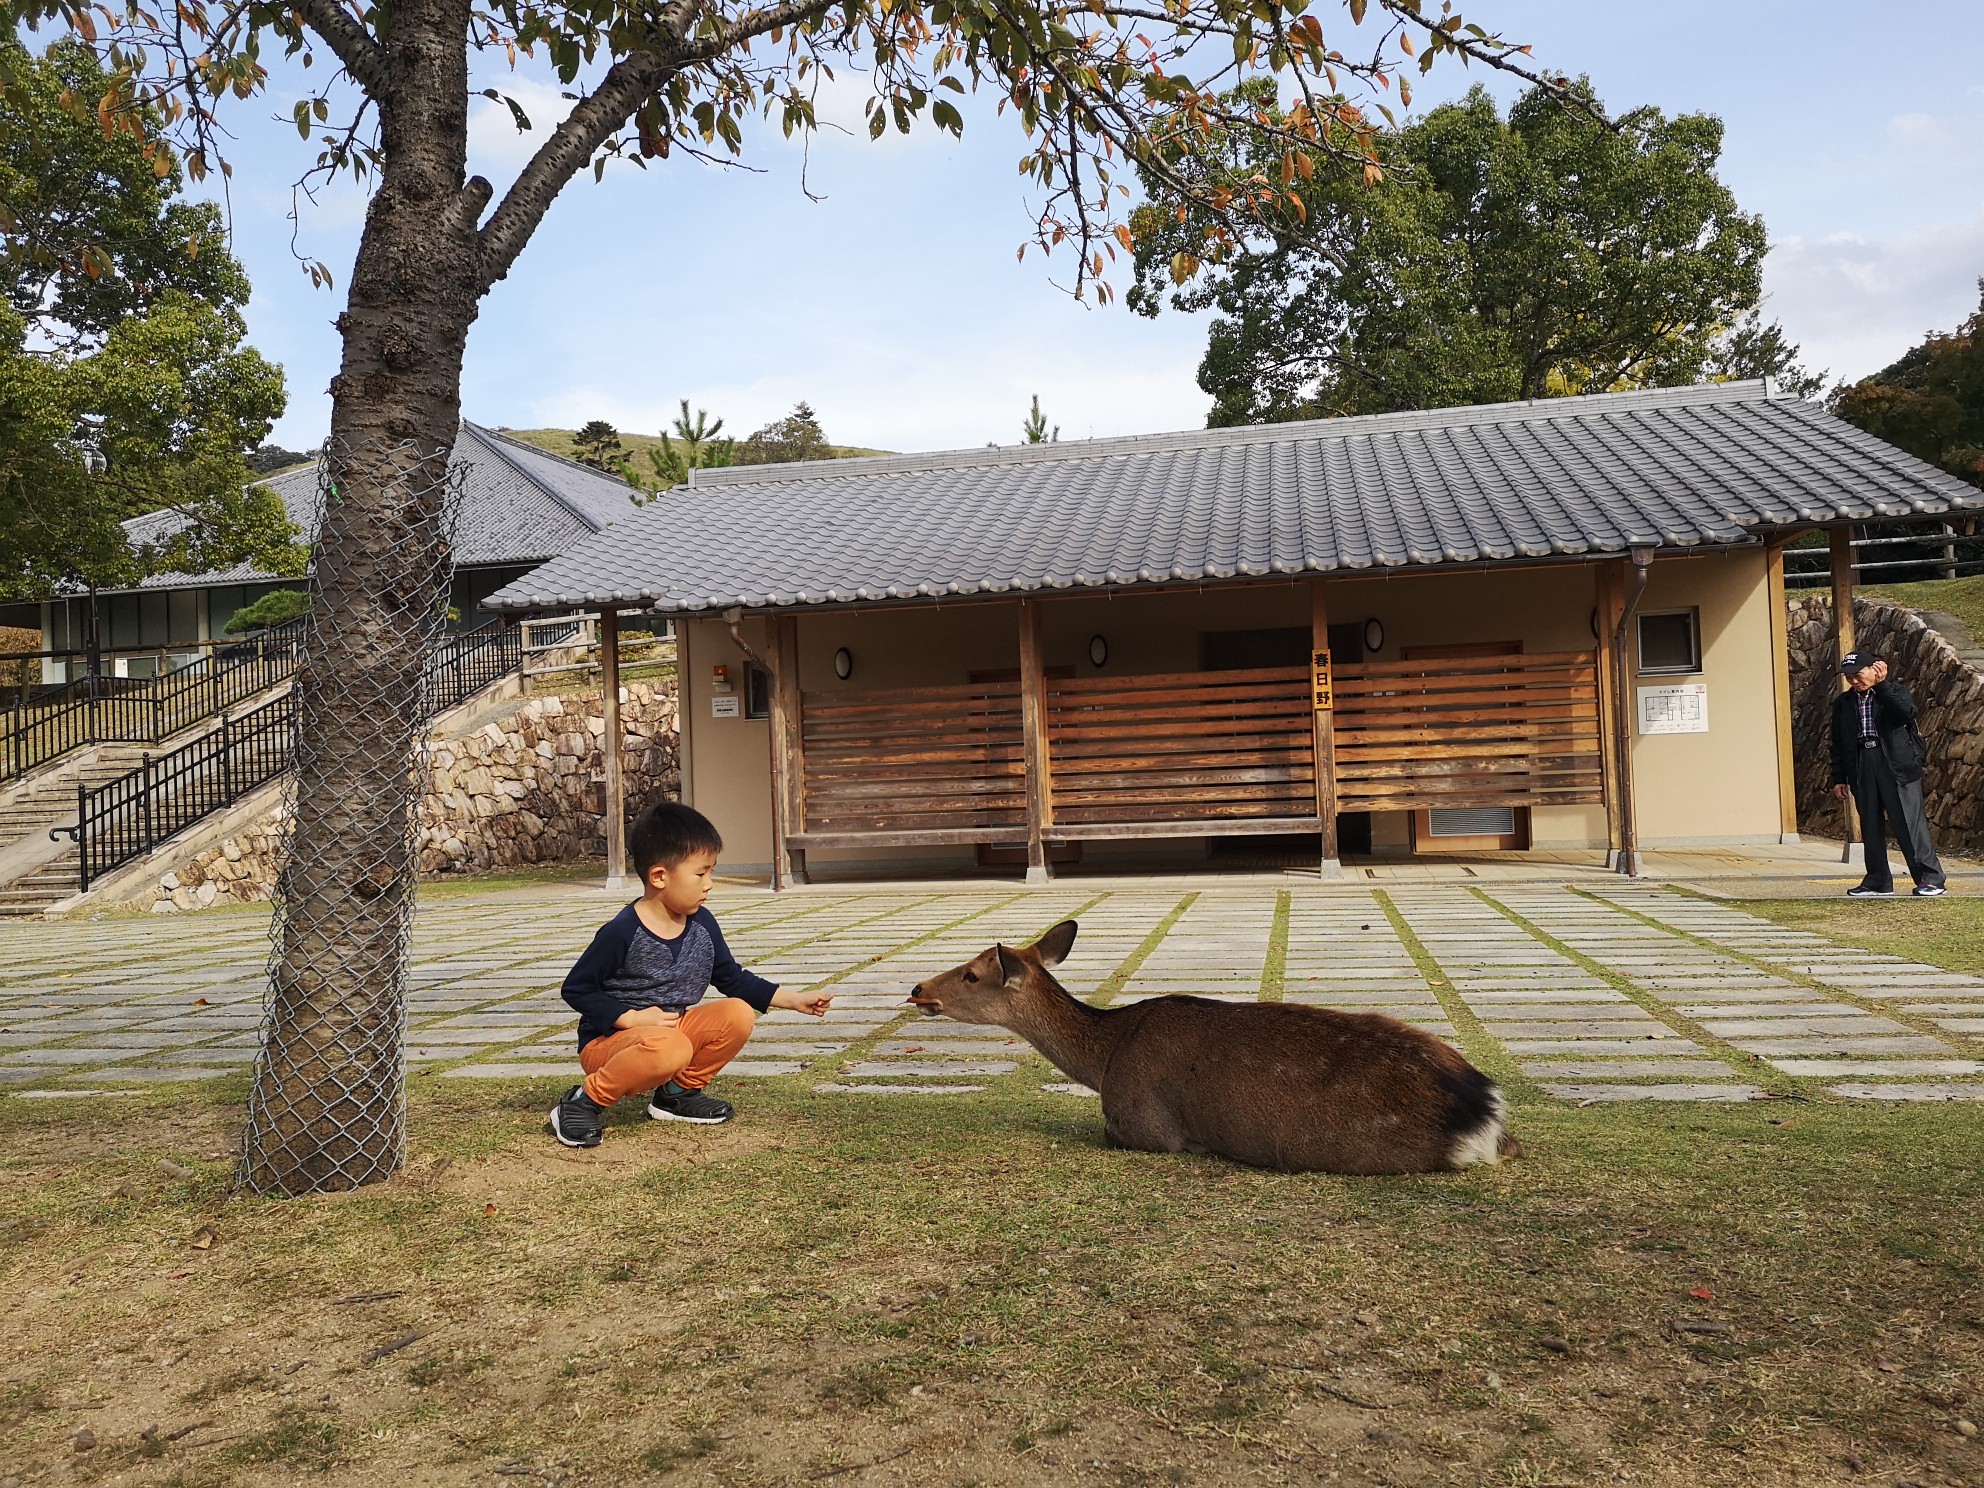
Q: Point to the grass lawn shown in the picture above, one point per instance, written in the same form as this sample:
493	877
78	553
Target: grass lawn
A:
1963	598
972	1289
1944	932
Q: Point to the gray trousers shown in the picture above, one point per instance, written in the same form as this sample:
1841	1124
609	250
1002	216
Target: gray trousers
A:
1885	803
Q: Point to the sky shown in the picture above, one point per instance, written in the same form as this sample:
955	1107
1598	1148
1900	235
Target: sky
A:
895	306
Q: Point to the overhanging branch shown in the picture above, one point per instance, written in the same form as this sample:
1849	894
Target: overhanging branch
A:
348	39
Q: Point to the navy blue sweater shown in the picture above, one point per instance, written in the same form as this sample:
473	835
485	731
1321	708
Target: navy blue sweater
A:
628	966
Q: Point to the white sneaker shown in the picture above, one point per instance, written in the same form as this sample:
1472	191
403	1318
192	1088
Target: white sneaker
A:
1930	891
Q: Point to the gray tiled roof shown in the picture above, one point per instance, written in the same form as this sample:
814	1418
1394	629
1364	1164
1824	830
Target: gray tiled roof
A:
520	504
1558	478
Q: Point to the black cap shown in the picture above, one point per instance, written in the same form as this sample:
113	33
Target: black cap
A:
1856	661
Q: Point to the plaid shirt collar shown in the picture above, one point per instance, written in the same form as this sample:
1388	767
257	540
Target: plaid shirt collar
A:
1866	701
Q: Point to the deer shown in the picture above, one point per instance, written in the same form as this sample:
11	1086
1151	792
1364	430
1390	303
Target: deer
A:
1274	1085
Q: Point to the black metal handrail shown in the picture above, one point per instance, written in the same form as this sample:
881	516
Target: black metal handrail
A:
145	710
129	816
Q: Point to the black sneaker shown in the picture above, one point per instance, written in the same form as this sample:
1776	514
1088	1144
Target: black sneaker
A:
1930	891
673	1103
575	1119
1868	891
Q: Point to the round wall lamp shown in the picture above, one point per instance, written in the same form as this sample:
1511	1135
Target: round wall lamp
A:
1098	649
1374	634
843	663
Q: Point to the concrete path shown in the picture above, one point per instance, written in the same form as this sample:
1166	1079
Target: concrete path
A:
1594	991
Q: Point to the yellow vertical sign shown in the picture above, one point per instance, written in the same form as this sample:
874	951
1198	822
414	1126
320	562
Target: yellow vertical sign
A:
1325	688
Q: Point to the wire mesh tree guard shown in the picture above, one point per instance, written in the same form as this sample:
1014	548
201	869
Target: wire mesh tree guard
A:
327	1110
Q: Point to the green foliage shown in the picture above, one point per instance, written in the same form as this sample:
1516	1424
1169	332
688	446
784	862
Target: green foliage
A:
274	608
1495	259
797	436
170	399
669	463
120	333
1931	402
90	227
598	445
1035	427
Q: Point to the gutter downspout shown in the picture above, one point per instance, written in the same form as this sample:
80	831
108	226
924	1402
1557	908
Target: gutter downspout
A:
732	619
1629	839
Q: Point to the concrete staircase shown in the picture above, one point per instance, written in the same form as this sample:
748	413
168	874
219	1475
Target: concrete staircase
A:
34	871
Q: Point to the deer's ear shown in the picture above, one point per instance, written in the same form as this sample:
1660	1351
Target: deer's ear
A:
1053	947
1008	963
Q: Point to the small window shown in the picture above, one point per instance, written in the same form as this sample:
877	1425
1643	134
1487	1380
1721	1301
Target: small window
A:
757	691
1670	642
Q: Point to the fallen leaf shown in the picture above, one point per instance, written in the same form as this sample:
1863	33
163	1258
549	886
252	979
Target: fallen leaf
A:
201	1002
488	1208
203	1238
1701	1294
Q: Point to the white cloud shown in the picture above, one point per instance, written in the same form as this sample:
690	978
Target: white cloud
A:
495	144
1856	302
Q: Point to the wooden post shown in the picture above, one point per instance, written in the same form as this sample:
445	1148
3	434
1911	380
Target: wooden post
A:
1033	722
789	750
1780	685
616	785
1325	725
1611	596
1841	542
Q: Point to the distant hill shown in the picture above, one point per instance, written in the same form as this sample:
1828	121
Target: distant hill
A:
559	442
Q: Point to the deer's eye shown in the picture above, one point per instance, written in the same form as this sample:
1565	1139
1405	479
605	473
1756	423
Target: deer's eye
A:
971	976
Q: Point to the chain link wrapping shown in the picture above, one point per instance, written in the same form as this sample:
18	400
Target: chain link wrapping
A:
327	1110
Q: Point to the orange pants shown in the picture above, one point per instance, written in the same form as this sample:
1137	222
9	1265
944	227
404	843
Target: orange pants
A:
690	1053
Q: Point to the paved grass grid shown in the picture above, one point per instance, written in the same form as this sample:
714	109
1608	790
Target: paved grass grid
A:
1625	993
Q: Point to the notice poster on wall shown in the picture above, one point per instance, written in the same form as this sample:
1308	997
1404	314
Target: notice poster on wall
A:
725	706
1677	708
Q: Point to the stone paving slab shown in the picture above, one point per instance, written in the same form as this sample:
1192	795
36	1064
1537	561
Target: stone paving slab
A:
1911	1092
1625	994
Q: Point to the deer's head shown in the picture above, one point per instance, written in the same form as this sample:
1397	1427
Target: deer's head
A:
988	988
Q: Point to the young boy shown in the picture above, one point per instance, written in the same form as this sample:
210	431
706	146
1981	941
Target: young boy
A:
639	988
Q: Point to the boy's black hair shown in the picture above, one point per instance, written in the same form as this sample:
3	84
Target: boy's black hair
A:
666	833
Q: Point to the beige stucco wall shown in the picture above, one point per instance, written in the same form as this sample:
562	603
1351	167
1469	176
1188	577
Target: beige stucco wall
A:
1719	786
729	778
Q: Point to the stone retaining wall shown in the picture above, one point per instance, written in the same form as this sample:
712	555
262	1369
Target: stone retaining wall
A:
523	788
1939	661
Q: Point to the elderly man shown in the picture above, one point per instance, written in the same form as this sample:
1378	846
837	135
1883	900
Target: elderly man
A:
1877	754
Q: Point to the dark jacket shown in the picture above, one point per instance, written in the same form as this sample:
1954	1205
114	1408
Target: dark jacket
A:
1894	721
628	966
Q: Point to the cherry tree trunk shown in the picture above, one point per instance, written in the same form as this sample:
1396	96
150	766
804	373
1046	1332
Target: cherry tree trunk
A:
327	1110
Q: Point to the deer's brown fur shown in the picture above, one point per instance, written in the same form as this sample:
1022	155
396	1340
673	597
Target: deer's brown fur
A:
1276	1085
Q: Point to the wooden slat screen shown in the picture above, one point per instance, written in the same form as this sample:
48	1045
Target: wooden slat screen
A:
938	759
1474	731
1184	747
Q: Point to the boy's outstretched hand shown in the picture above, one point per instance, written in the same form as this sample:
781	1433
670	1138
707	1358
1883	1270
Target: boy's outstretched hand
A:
814	1004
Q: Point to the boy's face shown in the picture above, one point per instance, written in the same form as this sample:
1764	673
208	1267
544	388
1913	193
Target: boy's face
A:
682	887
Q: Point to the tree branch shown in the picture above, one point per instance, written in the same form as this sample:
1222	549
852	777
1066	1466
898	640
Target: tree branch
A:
348	39
604	111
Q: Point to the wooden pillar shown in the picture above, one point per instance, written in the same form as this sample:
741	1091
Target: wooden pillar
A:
615	810
1325	726
1780	686
1841	541
789	750
1033	727
1611	598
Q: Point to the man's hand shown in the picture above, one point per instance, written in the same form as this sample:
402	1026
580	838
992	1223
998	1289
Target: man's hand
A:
1841	792
1880	671
813	1004
647	1017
